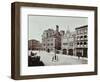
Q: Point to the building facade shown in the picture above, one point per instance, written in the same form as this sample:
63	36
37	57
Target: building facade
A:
48	41
51	39
81	45
68	43
34	45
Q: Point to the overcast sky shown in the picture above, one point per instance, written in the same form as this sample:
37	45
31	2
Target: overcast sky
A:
37	24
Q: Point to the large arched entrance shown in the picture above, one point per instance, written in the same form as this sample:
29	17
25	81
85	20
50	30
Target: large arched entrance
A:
64	51
70	52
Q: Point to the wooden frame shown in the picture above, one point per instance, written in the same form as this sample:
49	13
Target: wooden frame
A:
15	40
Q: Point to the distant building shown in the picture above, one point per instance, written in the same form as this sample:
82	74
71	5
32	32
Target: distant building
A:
34	45
68	43
82	40
51	39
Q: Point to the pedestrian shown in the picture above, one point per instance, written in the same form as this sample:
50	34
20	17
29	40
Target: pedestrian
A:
55	58
79	55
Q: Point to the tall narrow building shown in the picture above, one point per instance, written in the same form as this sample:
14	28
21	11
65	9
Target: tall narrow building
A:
82	40
51	39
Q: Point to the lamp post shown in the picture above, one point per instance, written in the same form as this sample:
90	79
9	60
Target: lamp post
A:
55	57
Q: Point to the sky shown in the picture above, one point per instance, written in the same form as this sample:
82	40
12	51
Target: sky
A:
38	23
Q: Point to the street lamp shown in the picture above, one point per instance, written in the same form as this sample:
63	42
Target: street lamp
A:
55	57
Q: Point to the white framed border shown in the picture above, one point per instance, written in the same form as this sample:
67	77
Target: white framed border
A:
25	70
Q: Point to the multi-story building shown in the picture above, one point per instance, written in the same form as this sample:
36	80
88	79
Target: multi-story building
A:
68	43
34	45
51	39
48	41
81	41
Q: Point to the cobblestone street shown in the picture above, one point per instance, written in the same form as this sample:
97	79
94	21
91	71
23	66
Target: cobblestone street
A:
47	59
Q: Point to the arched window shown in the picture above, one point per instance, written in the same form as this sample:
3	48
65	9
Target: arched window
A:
81	43
85	43
78	43
81	36
85	36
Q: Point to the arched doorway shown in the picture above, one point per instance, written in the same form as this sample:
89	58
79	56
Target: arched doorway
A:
64	51
70	52
48	50
85	52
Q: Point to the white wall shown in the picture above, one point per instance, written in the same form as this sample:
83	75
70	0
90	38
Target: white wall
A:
5	40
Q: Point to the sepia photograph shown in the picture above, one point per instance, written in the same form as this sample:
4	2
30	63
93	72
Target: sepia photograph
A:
57	40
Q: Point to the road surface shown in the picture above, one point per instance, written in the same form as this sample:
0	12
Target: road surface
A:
47	59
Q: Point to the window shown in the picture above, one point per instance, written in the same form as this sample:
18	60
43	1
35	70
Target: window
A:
77	31
81	37
78	43
85	36
85	31
85	43
51	39
51	44
47	34
77	37
65	43
81	43
81	31
71	44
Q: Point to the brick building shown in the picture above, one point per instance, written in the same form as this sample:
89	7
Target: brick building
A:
81	40
34	45
51	39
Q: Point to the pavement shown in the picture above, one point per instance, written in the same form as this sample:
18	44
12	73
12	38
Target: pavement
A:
48	59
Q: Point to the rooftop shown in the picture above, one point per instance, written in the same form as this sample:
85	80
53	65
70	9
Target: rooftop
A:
81	27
